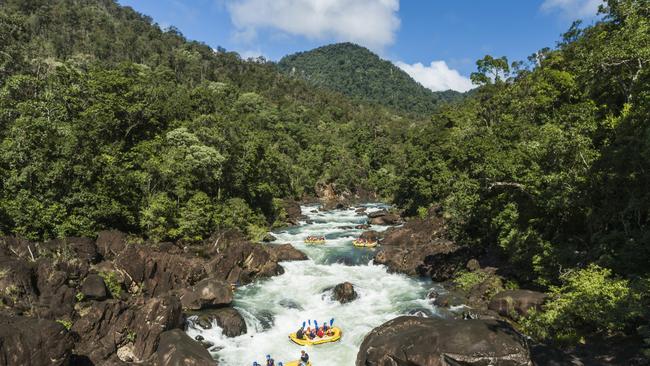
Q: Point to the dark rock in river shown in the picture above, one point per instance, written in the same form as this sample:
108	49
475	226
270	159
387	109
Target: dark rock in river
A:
266	318
94	288
268	238
178	349
375	214
293	212
228	319
370	235
290	304
417	341
344	292
208	293
30	341
515	303
449	299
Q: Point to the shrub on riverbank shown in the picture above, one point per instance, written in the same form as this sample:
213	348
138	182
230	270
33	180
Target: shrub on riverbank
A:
589	301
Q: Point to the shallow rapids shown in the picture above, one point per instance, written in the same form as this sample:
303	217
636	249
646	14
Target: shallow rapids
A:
277	306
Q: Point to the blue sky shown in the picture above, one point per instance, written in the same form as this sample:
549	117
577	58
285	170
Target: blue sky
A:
437	42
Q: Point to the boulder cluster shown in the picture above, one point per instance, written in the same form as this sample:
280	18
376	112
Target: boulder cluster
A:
115	299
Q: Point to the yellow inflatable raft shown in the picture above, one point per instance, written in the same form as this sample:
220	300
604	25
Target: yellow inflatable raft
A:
336	336
314	241
364	244
296	363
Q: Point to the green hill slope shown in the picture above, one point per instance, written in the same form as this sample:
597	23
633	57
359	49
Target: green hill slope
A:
357	72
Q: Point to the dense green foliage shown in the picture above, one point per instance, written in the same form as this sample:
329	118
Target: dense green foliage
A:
357	72
108	121
548	166
588	301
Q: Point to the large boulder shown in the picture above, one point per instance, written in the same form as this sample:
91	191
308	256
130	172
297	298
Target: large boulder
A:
515	303
293	212
110	243
405	249
72	248
17	284
177	349
448	299
152	318
370	235
103	326
94	288
417	341
285	252
106	326
18	247
159	270
388	219
208	293
229	320
344	292
56	283
237	260
31	341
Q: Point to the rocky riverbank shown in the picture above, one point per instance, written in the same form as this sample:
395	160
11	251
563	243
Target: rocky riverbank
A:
117	300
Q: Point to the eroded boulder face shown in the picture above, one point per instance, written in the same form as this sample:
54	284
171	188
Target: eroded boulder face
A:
236	260
208	293
108	325
407	249
31	341
285	252
94	288
18	284
228	319
370	235
293	212
158	269
387	219
417	341
177	349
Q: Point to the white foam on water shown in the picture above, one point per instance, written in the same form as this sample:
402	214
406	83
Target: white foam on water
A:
275	307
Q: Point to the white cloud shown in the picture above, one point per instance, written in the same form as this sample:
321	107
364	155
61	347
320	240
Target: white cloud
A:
246	54
437	77
573	8
372	23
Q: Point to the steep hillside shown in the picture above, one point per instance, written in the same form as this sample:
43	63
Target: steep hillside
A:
357	72
109	121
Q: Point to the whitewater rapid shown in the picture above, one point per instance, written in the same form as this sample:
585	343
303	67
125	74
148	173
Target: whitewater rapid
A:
277	306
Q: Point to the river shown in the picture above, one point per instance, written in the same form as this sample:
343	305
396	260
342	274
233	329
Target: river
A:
276	306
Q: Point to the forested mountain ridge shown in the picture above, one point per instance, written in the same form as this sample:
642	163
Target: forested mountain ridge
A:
359	73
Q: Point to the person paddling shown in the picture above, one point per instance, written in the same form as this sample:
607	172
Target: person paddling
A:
300	334
269	361
304	358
